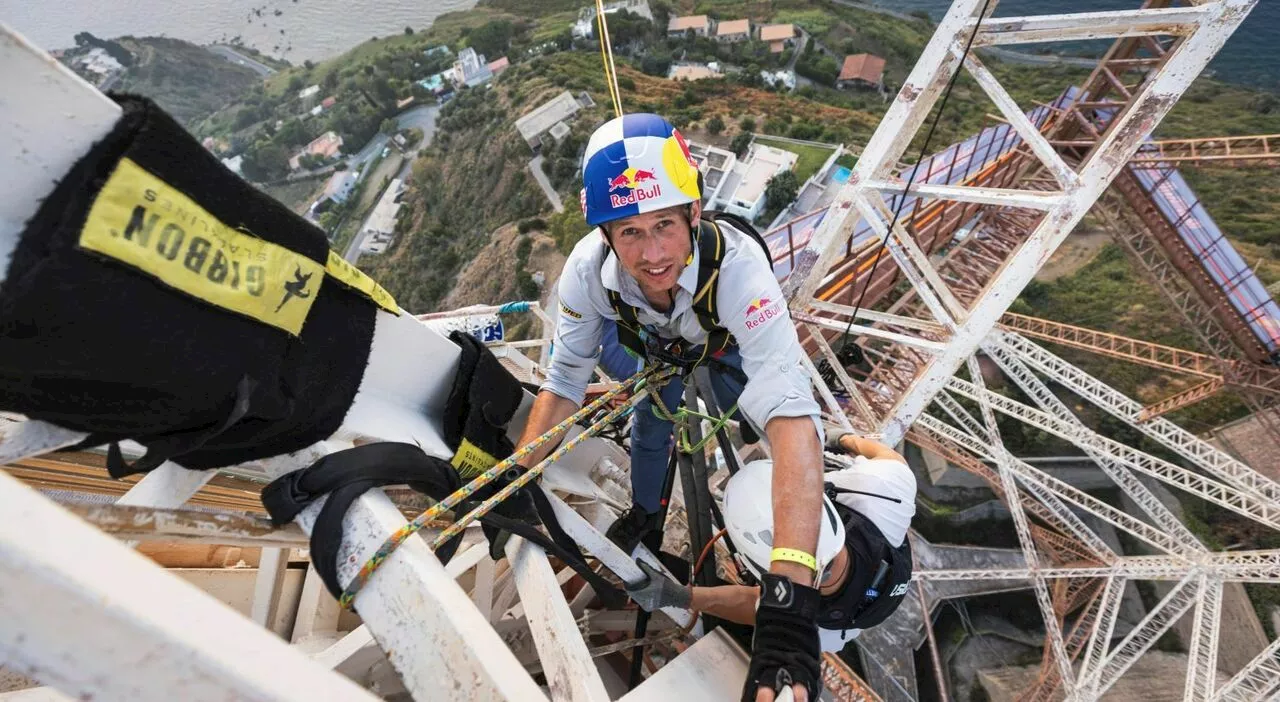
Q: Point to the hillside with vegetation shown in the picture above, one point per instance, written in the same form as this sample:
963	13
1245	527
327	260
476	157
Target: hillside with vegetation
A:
187	80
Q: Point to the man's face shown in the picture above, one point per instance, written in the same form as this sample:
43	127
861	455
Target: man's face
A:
654	247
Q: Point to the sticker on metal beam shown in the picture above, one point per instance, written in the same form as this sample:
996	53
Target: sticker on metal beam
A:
143	222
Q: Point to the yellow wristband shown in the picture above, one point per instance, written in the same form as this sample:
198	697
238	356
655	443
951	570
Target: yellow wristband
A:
795	556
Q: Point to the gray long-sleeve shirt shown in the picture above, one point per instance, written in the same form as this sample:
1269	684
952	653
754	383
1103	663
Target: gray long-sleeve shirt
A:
750	305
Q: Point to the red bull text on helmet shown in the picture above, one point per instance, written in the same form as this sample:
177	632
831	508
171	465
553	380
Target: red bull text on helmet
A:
635	164
630	182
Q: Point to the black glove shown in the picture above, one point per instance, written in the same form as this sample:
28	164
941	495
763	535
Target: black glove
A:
784	647
656	590
833	441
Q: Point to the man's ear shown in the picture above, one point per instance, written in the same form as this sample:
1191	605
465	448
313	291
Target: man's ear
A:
695	212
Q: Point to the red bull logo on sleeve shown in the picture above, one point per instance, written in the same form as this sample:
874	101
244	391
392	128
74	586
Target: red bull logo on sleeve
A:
632	186
761	310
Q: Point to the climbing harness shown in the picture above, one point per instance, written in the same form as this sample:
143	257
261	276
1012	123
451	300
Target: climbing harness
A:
710	242
343	476
490	475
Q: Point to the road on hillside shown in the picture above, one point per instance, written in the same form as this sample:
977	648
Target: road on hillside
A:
424	118
535	167
236	57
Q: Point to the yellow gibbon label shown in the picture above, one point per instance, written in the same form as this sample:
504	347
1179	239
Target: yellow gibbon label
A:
141	221
354	278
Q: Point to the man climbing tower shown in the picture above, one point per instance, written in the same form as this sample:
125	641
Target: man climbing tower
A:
674	288
863	540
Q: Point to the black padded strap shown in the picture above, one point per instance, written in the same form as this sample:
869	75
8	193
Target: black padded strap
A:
628	324
346	475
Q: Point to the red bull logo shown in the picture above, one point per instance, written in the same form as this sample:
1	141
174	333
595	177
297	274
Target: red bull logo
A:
632	184
761	310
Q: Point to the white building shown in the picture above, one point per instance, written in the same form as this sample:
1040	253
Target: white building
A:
234	163
379	229
585	27
716	165
308	92
98	61
700	25
339	186
533	125
471	69
742	192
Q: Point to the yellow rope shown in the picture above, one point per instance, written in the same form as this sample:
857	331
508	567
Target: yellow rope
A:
606	57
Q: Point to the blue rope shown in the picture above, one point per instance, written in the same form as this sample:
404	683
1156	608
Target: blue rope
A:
514	307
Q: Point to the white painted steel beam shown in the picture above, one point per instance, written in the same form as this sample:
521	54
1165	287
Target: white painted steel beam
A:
712	669
1202	659
1000	197
1142	637
1228	566
1147	108
1052	629
912	262
864	411
926	345
21	440
1255	680
268	584
1171	436
922	88
593	541
318	612
1255	507
1100	638
886	318
1040	483
428	626
79	608
1017	118
570	672
1090	25
51	117
1027	381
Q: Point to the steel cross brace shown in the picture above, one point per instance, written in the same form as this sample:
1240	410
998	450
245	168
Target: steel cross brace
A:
1208	28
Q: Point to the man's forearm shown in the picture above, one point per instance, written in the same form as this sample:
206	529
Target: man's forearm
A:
797	492
869	448
737	603
549	409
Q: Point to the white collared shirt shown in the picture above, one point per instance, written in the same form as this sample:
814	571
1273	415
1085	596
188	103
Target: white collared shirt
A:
750	306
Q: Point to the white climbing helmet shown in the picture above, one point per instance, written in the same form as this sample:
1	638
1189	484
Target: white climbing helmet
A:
748	517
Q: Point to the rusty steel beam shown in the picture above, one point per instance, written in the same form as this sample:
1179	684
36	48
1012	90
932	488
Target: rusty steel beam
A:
1249	376
844	684
1186	398
1187	262
1131	232
1258	150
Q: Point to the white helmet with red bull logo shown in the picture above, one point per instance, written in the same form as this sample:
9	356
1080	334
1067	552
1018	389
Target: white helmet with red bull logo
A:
634	164
748	518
